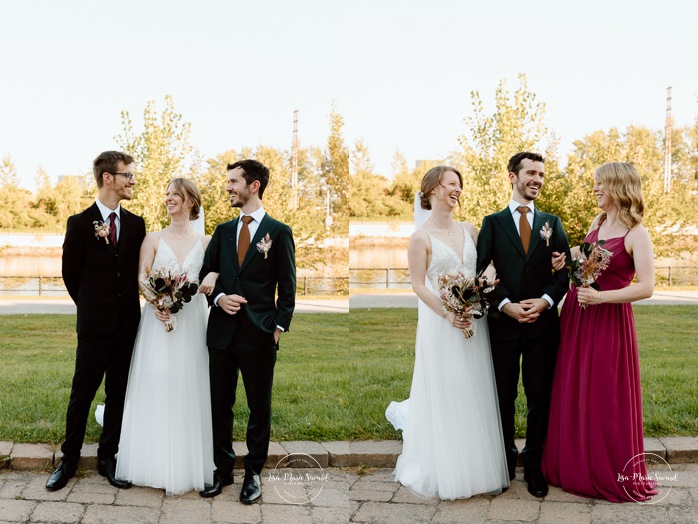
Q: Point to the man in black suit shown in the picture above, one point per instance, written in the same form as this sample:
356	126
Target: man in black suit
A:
520	241
254	255
100	271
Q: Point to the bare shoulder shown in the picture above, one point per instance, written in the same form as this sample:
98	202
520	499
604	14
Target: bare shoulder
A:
594	223
418	237
205	239
471	230
638	233
151	239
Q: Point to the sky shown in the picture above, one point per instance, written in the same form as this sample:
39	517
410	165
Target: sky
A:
399	72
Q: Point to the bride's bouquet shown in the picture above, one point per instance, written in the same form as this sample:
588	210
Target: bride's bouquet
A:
466	297
168	292
593	259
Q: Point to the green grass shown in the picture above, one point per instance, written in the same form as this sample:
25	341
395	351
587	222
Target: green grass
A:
334	377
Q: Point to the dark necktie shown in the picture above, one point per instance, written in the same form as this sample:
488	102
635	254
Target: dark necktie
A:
244	239
524	227
112	228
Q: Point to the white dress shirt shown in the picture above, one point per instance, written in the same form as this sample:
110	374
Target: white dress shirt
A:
516	217
105	216
257	217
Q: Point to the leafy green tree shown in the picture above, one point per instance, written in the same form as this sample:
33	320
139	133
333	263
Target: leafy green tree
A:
643	148
490	140
161	151
306	221
367	190
15	202
336	174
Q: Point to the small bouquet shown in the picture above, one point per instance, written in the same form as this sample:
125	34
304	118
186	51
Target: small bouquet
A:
466	297
593	259
168	292
264	245
101	230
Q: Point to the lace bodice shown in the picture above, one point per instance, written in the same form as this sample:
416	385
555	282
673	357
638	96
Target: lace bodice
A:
444	260
165	258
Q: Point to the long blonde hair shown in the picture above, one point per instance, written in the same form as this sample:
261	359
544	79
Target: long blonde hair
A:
623	186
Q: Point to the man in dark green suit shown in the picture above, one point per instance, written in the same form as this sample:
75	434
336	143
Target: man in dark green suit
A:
520	241
255	257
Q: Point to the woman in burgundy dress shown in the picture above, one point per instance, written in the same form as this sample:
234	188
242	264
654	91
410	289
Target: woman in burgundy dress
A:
594	444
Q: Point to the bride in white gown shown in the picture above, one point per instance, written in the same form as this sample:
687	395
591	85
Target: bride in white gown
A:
166	439
452	436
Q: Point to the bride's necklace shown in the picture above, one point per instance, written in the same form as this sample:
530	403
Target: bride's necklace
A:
180	238
442	228
609	231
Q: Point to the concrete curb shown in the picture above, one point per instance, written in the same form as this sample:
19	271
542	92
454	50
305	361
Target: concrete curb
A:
366	453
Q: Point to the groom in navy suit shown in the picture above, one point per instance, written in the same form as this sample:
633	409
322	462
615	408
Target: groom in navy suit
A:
255	258
520	241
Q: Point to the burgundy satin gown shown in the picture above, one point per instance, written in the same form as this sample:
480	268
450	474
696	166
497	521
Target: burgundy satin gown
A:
595	427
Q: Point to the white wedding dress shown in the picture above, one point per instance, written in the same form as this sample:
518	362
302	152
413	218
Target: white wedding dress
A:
166	436
452	435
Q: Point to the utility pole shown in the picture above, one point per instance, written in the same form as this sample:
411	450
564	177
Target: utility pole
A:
667	143
294	161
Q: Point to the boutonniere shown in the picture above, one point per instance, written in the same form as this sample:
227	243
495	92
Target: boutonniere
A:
101	230
264	245
545	233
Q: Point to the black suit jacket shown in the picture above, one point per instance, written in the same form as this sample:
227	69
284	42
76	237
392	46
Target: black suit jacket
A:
102	279
257	280
523	275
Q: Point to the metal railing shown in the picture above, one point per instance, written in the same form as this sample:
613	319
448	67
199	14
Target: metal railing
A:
53	286
399	277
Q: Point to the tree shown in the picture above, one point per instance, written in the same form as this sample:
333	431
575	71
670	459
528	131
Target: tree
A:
367	190
161	152
665	214
516	125
15	202
336	174
306	221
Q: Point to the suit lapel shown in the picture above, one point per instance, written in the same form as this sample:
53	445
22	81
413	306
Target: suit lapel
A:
507	221
538	221
125	228
234	242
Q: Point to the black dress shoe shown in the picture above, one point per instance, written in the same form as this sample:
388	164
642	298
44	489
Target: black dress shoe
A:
217	486
107	468
60	476
251	489
537	485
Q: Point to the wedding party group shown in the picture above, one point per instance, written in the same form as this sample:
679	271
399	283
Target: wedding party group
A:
487	314
580	369
217	307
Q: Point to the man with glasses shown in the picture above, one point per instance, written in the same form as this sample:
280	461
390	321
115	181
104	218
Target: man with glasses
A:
100	271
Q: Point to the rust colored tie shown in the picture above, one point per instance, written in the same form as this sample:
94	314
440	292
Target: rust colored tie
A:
524	228
244	239
112	228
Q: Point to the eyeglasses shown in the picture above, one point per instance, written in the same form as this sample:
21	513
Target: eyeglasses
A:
128	176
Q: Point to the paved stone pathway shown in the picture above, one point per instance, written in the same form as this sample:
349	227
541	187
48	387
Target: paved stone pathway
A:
340	495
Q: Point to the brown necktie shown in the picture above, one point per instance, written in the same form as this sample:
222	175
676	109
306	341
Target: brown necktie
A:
524	227
244	239
112	228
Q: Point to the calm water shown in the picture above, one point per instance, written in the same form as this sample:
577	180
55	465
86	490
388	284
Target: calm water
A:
378	267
